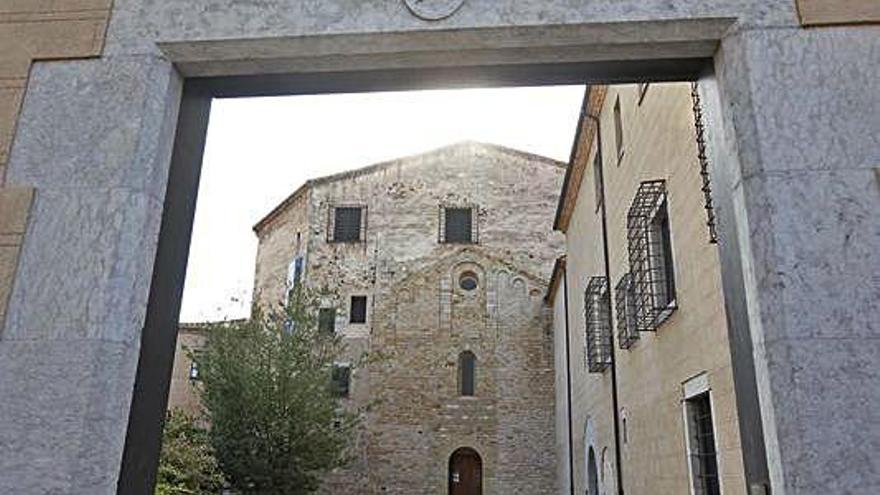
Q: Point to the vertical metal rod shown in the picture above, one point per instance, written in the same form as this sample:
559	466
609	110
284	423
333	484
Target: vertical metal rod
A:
568	380
614	398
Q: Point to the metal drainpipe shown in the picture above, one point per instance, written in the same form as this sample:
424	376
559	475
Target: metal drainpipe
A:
568	380
614	401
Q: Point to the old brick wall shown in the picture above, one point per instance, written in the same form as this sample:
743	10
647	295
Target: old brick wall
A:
420	321
658	144
34	30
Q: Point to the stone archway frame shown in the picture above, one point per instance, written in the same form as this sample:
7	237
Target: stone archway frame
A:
80	311
668	51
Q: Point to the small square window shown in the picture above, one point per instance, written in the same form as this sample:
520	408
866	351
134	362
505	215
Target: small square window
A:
358	312
458	226
347	224
327	320
341	380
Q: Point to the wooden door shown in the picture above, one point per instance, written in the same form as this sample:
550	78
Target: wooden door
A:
465	473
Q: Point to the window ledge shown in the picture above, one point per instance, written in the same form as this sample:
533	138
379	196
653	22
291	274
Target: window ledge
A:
666	313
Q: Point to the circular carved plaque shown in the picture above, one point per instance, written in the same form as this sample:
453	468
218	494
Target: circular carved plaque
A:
433	10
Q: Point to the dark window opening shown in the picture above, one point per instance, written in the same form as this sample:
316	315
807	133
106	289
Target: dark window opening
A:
358	313
327	320
597	180
348	224
341	380
618	130
598	325
704	464
665	275
458	226
467	364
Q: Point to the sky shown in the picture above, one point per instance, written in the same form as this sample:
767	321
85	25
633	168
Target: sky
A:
259	150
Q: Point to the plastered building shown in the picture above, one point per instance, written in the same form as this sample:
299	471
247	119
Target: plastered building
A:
434	261
660	311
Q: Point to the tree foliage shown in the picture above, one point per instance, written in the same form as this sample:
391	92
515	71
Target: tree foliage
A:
186	464
276	425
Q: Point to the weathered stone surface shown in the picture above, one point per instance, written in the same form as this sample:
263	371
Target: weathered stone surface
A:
807	231
98	123
63	400
419	319
81	273
136	26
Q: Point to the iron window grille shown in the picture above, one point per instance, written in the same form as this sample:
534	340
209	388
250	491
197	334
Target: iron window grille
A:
704	462
458	225
627	333
598	325
650	256
347	223
341	381
327	320
358	312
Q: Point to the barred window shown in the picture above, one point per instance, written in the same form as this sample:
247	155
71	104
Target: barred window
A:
347	224
650	256
598	325
701	445
624	306
457	225
327	320
340	385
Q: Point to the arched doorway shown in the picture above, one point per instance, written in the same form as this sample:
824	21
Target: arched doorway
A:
465	472
592	473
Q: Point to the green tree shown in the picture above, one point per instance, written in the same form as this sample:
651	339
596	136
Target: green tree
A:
186	464
276	422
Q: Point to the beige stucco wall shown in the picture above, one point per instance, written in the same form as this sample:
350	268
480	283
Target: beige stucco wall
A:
33	30
659	144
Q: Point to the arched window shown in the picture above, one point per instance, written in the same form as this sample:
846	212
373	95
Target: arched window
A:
467	364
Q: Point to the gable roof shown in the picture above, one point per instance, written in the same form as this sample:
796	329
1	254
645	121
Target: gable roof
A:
376	167
585	135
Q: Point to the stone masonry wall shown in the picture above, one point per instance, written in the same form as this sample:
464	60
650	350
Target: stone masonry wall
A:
420	320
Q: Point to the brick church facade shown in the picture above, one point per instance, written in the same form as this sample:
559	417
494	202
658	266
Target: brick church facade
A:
436	260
